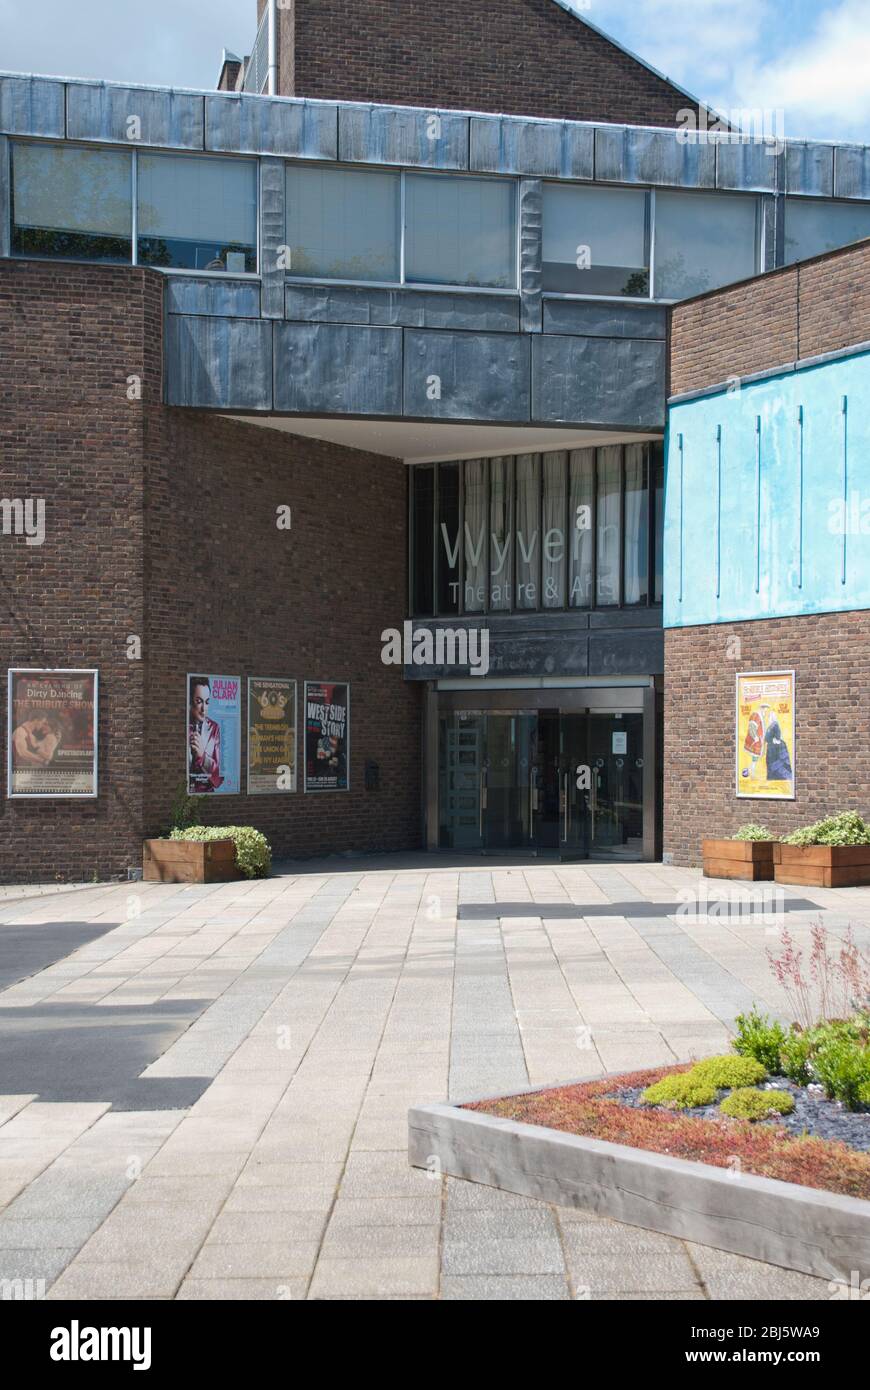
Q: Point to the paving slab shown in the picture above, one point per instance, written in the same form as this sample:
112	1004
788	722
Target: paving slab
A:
206	1087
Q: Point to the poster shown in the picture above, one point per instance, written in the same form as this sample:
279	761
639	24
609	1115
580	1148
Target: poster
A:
271	735
214	723
52	733
766	735
327	737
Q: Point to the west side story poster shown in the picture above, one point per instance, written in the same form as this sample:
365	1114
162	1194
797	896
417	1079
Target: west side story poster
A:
327	736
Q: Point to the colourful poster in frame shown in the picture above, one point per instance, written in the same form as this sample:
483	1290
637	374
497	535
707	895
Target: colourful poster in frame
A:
765	735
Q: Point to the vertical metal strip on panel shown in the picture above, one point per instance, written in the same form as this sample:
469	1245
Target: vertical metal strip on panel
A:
272	217
758	504
718	511
5	197
800	417
682	503
531	255
845	485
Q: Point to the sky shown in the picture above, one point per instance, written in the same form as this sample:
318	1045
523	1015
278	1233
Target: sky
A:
808	58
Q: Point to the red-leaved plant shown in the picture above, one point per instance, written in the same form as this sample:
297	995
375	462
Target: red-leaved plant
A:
838	982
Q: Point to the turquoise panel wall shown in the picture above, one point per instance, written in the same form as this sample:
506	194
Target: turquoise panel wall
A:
767	509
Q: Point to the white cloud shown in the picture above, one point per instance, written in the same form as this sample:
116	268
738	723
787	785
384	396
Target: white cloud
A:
810	58
822	83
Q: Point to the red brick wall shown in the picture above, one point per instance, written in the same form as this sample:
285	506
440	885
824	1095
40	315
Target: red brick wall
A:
69	338
798	312
230	594
160	524
830	655
529	57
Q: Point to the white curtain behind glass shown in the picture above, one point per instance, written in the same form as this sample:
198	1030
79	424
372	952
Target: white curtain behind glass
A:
459	231
553	531
608	559
475	535
343	224
187	198
636	525
581	513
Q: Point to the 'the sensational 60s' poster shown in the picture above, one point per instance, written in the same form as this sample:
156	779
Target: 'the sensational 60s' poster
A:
52	735
271	735
766	735
327	747
214	723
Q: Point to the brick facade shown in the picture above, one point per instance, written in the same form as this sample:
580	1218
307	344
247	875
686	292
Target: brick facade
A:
161	523
830	655
530	57
801	311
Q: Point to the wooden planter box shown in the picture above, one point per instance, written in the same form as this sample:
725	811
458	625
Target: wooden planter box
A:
747	859
824	866
186	861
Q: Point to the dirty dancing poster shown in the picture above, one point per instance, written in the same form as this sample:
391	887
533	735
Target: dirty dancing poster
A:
214	717
327	730
766	735
52	733
271	735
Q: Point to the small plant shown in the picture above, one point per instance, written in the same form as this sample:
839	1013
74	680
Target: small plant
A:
797	1051
843	1067
253	852
723	1072
754	832
747	1103
848	828
838	980
680	1092
186	810
762	1038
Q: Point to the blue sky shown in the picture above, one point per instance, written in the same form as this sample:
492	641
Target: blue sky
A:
810	58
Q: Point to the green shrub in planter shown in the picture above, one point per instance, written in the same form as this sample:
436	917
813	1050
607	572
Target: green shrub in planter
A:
754	832
253	852
761	1038
797	1051
729	1071
846	829
680	1092
749	1104
842	1065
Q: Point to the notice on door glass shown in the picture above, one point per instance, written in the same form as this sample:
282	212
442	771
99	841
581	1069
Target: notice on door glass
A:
620	742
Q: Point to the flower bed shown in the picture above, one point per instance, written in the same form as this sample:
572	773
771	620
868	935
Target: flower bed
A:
607	1109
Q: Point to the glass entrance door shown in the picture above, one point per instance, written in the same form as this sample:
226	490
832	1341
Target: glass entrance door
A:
547	781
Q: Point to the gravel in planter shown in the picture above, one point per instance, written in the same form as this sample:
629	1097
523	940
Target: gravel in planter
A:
813	1114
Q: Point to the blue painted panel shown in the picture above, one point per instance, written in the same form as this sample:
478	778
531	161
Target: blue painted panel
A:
782	537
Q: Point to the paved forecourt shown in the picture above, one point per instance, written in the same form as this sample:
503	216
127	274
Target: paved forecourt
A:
204	1090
